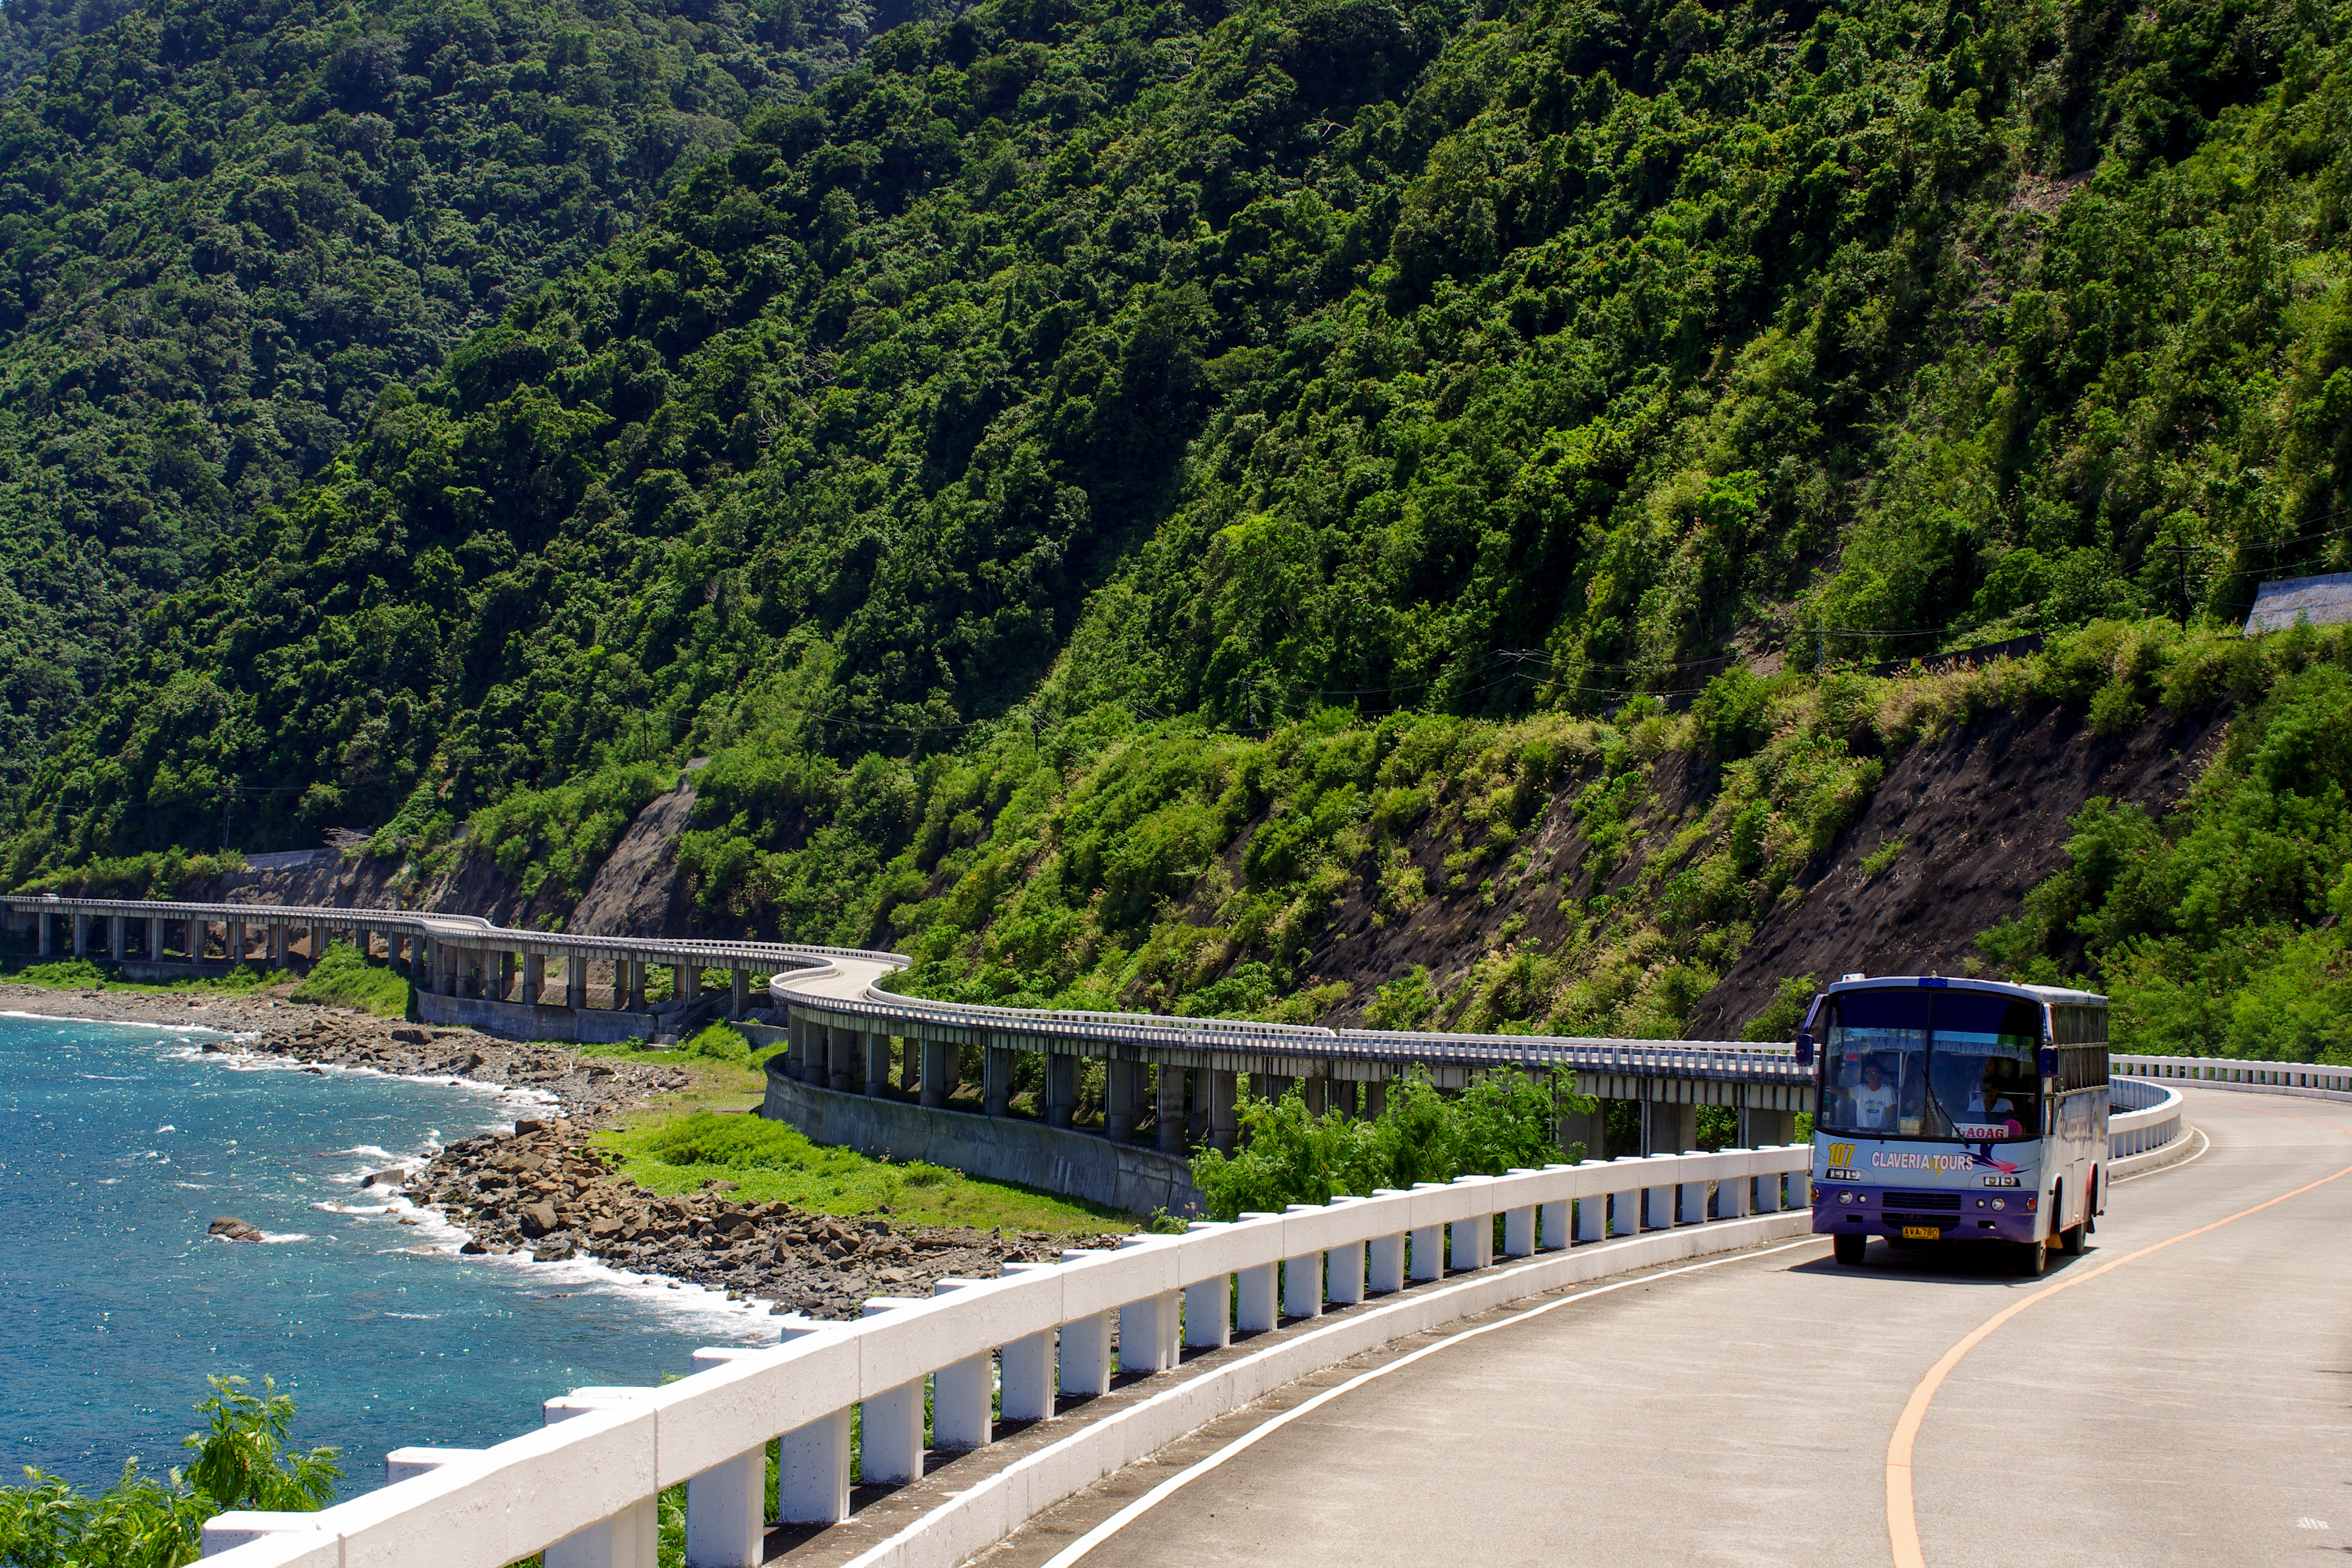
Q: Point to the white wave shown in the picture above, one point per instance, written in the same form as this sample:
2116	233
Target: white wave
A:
111	1023
286	1236
108	1077
167	1127
194	1186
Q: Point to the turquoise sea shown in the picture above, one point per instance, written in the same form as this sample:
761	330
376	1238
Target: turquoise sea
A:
120	1145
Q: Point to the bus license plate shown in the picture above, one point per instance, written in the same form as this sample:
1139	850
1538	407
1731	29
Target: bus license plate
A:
1922	1233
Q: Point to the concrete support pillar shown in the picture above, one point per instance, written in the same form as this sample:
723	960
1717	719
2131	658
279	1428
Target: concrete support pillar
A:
1122	1098
534	977
636	985
841	1052
1302	1284
1518	1232
1272	1085
1591	1128
1170	1108
115	927
996	1081
1209	1312
1552	1226
1384	1263
154	938
1086	1355
506	977
1474	1242
813	1472
1025	1378
739	991
1224	1127
81	936
236	941
1668	1128
1344	1274
273	944
1256	1305
890	1437
1375	1100
1146	1333
41	933
1428	1260
1061	1088
575	983
685	981
727	1513
878	1064
938	1066
1760	1129
910	1064
1318	1095
318	944
959	1405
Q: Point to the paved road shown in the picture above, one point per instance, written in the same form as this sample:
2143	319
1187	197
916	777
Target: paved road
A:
2186	1407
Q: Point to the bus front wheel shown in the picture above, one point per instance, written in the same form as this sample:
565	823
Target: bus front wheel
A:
1849	1248
2032	1257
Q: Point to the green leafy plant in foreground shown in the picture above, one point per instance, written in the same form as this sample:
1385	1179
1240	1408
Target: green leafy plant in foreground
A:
1290	1154
242	1460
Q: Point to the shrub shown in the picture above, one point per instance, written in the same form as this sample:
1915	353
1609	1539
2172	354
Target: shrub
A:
1292	1155
241	1462
344	978
718	1042
752	1142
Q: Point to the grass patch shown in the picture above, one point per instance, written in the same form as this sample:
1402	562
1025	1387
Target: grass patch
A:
90	975
1879	859
344	978
772	1161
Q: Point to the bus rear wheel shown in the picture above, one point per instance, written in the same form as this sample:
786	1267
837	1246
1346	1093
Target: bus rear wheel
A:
2071	1238
1849	1248
2032	1257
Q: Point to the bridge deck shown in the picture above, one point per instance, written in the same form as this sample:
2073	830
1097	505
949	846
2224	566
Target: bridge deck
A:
2187	1406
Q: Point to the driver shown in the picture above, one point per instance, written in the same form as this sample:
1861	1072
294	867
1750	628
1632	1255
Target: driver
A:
1988	1103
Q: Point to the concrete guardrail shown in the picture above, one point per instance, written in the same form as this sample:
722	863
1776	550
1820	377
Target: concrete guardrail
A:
585	1488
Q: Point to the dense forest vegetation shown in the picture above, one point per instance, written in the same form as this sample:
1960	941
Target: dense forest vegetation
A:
225	225
1098	478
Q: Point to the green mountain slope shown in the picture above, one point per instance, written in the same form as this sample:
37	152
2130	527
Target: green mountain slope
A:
1083	381
33	30
227	225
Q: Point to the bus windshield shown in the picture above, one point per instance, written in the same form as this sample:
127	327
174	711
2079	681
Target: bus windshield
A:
1931	1064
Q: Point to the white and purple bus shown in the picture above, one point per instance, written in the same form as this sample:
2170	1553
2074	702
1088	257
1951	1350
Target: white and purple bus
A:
1954	1109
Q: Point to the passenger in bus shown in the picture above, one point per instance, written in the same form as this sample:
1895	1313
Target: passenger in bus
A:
1873	1100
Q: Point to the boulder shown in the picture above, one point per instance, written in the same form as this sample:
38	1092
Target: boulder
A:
386	1179
231	1229
538	1219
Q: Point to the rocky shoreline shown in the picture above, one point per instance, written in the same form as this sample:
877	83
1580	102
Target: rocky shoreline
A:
543	1190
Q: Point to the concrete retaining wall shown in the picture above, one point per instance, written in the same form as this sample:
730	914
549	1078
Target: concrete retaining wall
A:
513	1020
1000	1148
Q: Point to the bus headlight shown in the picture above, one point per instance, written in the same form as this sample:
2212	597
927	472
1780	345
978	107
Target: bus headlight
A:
1845	1198
2000	1203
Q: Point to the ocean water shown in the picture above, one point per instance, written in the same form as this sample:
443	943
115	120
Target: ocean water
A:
122	1143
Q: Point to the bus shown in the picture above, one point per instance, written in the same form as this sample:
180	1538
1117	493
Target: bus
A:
1951	1110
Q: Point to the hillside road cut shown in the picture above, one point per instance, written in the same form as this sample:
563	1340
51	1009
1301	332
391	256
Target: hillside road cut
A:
2175	1394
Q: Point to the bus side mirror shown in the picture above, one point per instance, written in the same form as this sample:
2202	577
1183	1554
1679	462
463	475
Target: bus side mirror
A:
1804	1049
2049	1061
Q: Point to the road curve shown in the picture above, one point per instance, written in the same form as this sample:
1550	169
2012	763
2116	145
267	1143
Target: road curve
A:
2189	1406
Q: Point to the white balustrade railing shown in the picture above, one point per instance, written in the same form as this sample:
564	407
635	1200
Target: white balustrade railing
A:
583	1488
2315	1080
2141	1117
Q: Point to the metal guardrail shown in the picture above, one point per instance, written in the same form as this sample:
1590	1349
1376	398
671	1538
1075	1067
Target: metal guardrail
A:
583	1490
